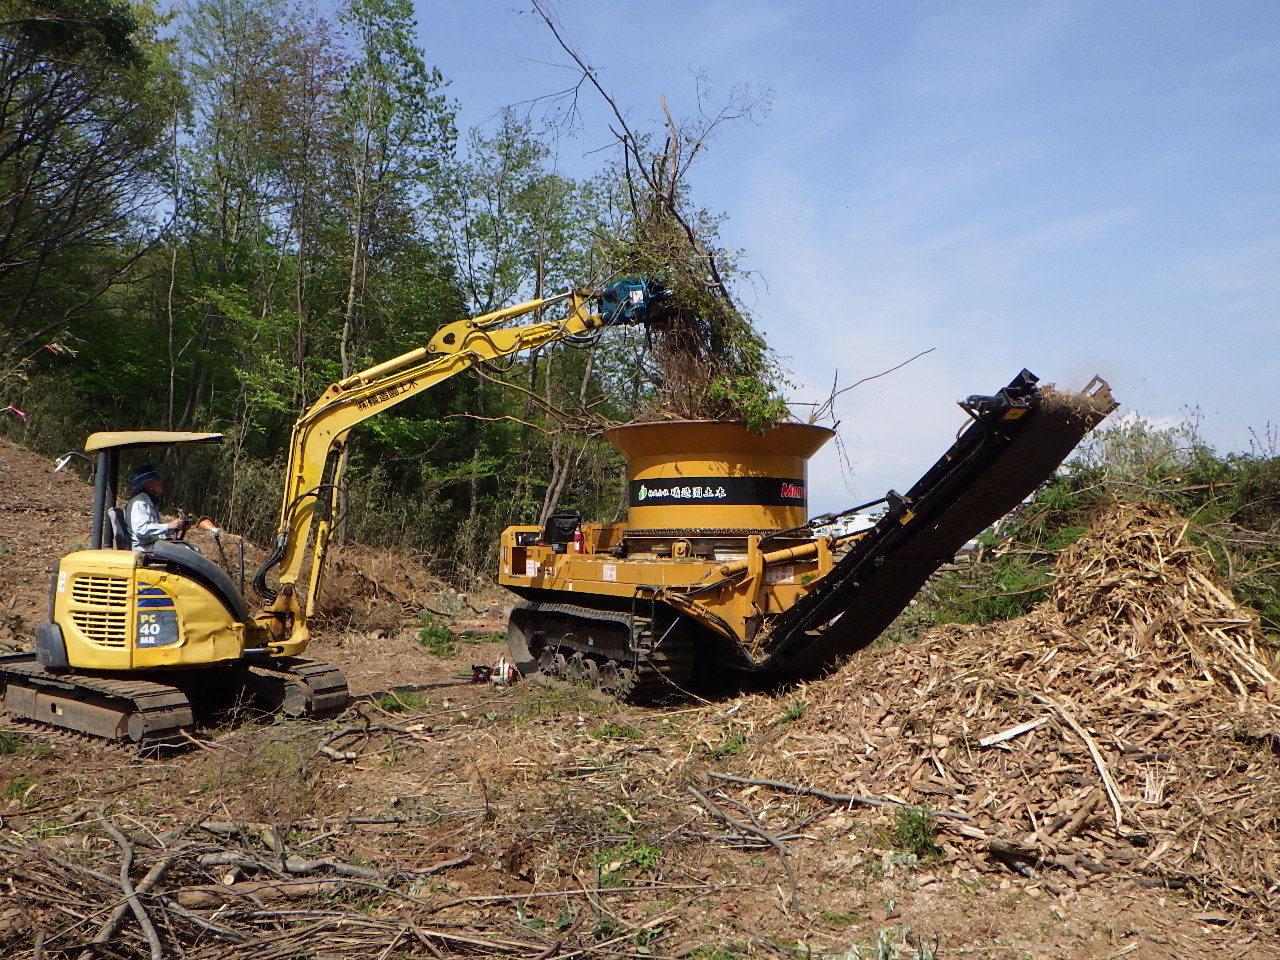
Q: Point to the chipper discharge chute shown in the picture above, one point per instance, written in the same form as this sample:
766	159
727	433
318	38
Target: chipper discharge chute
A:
717	568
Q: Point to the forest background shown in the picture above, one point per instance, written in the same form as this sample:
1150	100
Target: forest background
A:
212	212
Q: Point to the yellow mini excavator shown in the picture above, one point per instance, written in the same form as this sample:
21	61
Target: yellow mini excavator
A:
140	642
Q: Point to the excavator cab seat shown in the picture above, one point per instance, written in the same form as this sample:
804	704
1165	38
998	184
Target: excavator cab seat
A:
118	524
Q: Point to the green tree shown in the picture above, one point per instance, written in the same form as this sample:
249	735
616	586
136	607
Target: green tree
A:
82	145
397	139
399	135
521	231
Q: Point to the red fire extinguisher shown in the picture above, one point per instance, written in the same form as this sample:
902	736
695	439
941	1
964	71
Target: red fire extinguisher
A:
577	540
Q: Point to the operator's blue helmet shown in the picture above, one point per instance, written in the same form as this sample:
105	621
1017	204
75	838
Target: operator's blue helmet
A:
142	475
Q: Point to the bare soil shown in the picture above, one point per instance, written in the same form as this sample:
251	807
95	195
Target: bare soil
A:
446	818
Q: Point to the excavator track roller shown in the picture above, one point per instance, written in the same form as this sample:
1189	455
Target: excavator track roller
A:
149	713
141	712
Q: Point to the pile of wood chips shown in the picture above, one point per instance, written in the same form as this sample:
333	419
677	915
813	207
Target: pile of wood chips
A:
1128	726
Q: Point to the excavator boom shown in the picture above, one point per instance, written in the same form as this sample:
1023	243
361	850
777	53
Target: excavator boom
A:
320	433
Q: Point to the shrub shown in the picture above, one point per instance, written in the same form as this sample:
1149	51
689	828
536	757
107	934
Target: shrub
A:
913	832
436	638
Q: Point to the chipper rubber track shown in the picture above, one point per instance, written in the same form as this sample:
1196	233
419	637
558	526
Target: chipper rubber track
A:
640	657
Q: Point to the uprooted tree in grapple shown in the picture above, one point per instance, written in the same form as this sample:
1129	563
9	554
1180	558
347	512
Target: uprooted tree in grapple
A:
708	359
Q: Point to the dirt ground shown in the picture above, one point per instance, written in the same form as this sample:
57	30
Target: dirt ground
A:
446	818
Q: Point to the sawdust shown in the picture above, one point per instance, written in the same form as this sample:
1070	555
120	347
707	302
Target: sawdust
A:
1138	711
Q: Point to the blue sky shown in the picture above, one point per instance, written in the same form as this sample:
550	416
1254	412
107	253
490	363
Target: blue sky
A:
1071	186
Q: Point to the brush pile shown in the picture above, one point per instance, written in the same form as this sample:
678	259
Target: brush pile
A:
1128	726
375	586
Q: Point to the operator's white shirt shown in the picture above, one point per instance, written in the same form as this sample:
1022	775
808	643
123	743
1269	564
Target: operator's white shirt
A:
144	521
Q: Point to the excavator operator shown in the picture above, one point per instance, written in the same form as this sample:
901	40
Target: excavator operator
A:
143	514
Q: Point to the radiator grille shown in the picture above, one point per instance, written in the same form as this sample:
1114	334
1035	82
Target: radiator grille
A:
107	628
100	591
107	622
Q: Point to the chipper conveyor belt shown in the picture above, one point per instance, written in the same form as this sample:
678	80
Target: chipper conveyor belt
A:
1016	440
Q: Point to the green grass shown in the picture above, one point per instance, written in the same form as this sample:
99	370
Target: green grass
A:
618	731
12	742
399	701
18	787
795	710
733	745
843	919
534	702
635	857
468	637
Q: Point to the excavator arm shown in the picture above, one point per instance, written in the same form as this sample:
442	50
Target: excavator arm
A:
310	482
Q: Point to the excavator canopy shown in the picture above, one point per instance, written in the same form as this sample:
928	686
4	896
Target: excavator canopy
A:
129	439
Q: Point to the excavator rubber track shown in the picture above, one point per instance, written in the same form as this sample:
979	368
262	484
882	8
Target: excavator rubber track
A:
141	712
306	688
153	714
